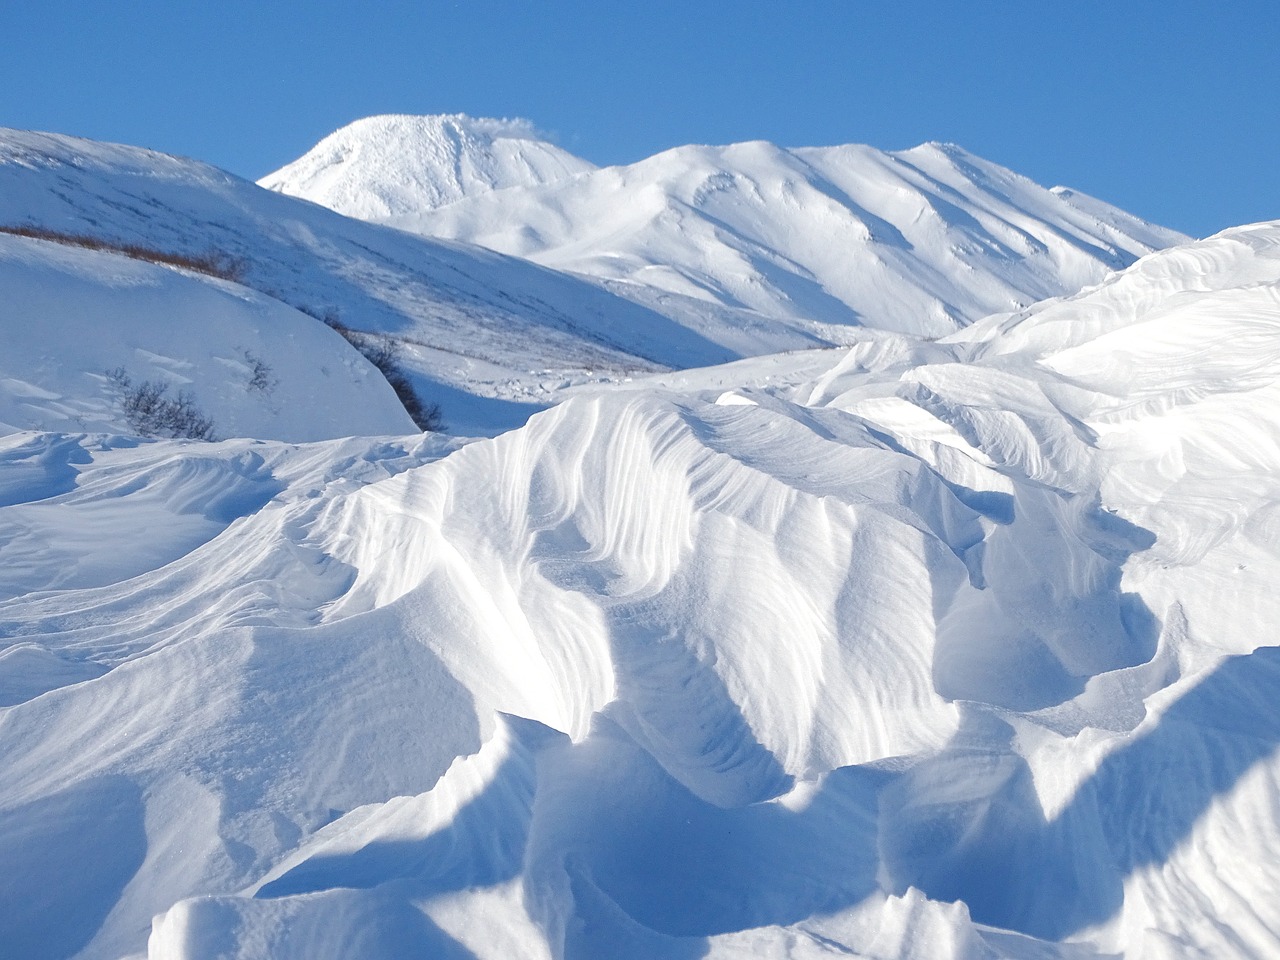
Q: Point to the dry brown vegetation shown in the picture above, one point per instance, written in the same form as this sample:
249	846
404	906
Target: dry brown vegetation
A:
213	263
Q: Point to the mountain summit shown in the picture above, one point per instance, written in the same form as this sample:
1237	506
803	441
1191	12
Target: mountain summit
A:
393	165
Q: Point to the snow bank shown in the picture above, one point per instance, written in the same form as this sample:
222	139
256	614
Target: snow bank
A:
254	366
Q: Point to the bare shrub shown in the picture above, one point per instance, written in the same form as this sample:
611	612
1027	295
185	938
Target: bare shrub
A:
151	412
261	377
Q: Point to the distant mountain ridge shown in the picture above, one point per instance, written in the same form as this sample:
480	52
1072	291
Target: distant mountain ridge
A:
755	246
694	257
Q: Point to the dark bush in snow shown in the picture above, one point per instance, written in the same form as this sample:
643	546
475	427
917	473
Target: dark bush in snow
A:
151	412
261	376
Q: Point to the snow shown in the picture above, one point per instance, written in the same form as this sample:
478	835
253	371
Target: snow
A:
914	648
691	258
493	336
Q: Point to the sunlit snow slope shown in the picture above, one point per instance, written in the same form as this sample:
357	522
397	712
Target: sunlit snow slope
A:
911	650
252	365
756	247
494	338
490	337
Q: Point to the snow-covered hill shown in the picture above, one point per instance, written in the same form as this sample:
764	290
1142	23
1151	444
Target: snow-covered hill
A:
911	650
489	337
387	166
763	249
250	364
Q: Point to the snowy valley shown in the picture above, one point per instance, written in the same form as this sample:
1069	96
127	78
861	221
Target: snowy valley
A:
833	553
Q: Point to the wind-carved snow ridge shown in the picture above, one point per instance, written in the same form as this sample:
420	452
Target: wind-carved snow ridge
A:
921	649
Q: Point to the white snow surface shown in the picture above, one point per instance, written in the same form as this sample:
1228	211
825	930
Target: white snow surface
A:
777	257
390	165
955	649
756	247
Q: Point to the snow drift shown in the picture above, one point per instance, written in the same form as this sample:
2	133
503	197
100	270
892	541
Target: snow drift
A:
910	650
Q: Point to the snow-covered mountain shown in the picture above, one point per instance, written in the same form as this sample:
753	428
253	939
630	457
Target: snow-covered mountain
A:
756	247
493	338
392	165
913	650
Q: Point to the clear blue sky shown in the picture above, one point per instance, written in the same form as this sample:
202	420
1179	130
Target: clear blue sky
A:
1169	109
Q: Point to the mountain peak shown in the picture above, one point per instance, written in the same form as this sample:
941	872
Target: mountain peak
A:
390	164
406	128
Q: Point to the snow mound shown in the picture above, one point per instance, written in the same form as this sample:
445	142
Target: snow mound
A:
80	321
387	166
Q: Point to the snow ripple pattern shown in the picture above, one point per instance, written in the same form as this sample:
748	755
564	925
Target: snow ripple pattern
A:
955	649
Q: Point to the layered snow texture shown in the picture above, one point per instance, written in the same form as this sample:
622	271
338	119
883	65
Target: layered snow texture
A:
756	247
911	650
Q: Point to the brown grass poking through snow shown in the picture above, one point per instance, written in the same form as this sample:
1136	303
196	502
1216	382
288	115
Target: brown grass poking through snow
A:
213	263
